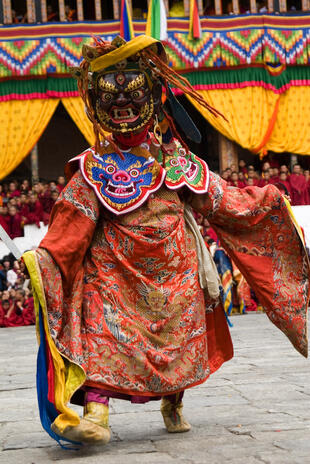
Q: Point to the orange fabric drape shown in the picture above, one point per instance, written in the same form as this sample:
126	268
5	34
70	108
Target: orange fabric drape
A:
248	110
22	123
261	120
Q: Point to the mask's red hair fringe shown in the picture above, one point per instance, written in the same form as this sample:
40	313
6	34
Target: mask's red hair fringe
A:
100	137
162	70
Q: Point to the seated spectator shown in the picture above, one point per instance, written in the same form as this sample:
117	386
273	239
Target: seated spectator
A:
252	178
61	182
275	176
265	179
234	180
241	179
12	276
299	188
13	190
14	223
25	186
4	309
13	317
51	14
33	211
70	13
284	169
4	218
26	307
242	167
283	179
177	9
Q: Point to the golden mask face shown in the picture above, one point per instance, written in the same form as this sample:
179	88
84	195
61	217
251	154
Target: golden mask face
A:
124	101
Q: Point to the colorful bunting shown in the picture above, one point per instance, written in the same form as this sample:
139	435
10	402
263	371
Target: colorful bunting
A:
126	27
156	25
194	21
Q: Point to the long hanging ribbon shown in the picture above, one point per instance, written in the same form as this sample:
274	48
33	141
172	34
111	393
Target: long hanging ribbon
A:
126	26
156	25
194	21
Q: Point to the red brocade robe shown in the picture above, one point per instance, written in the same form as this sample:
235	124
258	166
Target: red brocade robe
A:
123	295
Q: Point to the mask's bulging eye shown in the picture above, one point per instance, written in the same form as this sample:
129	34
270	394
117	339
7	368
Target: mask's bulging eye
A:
174	162
110	169
134	172
137	94
106	97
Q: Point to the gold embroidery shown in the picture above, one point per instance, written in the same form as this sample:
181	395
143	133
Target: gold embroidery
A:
106	86
135	83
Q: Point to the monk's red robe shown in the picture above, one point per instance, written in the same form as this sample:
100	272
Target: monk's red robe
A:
299	190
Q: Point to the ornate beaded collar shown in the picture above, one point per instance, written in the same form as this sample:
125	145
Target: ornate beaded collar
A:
122	185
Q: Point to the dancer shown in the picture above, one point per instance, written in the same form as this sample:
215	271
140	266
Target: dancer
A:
127	296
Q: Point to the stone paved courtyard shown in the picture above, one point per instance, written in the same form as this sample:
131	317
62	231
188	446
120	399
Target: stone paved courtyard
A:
255	409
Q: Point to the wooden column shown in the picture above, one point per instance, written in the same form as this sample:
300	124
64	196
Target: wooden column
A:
7	11
283	6
253	6
98	10
80	12
116	11
270	6
31	12
61	6
43	11
305	5
200	7
228	154
236	9
218	7
186	7
34	157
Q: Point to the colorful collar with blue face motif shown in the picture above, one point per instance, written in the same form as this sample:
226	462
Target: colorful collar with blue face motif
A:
122	185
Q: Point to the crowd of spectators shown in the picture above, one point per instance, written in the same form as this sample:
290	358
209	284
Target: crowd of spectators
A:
22	204
16	301
295	185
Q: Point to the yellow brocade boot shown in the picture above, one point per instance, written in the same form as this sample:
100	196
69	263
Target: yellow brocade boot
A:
173	416
93	429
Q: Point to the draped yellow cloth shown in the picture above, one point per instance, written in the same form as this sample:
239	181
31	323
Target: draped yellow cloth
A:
291	132
75	107
249	112
22	123
260	119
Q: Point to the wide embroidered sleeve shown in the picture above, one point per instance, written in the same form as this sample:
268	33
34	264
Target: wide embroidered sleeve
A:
72	224
256	229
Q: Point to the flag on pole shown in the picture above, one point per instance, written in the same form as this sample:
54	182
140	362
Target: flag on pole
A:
194	21
156	25
126	27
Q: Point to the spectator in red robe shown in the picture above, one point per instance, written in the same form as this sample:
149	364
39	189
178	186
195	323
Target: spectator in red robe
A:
241	179
34	212
251	176
284	181
25	306
13	317
242	167
61	183
299	188
13	190
265	179
14	223
275	176
4	219
4	308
